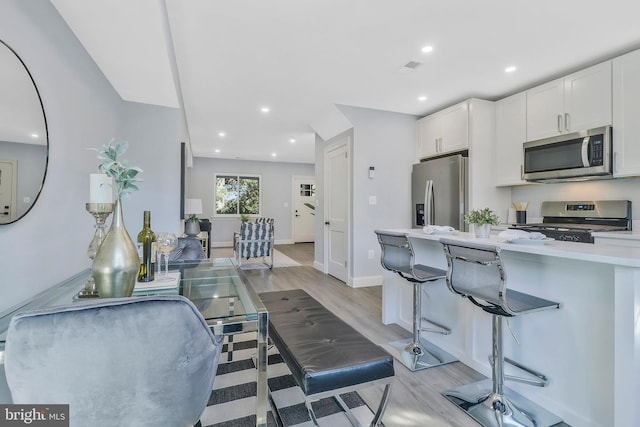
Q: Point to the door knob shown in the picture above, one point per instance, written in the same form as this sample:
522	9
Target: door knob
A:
326	223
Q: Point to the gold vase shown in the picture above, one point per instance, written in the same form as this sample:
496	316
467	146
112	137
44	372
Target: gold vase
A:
115	267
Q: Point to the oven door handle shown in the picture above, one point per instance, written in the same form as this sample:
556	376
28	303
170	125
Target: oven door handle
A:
585	152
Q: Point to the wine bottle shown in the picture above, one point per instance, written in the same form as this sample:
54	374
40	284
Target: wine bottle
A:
146	250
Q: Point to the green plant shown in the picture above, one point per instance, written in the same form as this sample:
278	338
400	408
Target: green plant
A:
192	218
244	218
482	216
124	177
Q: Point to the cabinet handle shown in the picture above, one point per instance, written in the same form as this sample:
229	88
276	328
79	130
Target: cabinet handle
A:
441	145
567	122
559	123
437	144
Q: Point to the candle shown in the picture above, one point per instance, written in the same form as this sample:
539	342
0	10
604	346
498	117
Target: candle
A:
100	188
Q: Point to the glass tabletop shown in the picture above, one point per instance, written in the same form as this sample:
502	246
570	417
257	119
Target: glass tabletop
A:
216	287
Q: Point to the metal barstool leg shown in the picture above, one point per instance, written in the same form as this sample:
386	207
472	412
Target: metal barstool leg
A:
488	404
414	348
416	353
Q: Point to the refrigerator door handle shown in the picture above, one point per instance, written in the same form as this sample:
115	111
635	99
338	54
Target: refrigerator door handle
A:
429	208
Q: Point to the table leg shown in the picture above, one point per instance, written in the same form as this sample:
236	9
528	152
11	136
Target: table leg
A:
261	395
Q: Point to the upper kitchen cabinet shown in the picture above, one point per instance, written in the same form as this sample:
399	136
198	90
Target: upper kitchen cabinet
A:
626	110
444	132
511	133
575	103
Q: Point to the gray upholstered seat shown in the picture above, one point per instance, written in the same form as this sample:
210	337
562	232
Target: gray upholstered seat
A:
189	248
147	361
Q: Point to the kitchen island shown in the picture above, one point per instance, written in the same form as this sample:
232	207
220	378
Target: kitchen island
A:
589	348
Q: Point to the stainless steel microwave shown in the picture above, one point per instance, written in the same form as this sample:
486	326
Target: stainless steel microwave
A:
572	156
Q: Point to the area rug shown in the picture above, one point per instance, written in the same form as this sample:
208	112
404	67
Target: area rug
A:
279	260
233	399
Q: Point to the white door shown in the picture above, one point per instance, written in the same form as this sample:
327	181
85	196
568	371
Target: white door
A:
304	191
337	208
8	171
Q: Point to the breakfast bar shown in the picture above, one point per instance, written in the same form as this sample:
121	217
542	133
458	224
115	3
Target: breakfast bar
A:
589	349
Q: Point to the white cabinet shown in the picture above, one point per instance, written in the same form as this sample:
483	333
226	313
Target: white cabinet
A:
511	133
429	136
470	125
574	103
444	132
626	113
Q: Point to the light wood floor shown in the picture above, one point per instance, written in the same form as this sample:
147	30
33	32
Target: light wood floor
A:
415	396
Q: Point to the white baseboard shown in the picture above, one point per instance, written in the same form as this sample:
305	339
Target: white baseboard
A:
318	266
364	281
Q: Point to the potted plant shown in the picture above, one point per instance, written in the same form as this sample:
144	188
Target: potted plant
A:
116	264
482	220
244	218
192	225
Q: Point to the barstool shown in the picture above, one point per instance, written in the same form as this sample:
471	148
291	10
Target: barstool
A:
398	256
476	272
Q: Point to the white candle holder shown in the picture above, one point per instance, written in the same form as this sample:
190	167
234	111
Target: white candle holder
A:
100	212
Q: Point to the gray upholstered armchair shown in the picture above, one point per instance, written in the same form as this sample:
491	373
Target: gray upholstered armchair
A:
145	361
254	240
189	248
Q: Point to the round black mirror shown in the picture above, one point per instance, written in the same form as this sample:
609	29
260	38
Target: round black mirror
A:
24	141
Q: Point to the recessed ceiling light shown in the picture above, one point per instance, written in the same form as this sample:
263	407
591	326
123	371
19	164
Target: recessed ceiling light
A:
422	98
427	49
292	140
273	154
510	69
265	109
217	150
35	135
221	134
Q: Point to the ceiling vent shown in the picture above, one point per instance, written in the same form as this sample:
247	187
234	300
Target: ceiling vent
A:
409	67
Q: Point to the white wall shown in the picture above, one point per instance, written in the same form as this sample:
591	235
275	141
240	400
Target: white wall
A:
385	141
82	109
277	190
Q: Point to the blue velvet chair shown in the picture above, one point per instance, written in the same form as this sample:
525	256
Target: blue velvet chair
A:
145	361
189	249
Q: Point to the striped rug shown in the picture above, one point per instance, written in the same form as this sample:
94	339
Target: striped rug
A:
233	399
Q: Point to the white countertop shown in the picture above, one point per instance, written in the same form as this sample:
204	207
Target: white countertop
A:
607	254
622	235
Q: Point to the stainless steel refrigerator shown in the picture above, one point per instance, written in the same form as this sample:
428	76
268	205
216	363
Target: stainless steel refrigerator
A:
439	192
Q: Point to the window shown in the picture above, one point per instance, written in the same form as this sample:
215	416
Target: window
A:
307	190
237	195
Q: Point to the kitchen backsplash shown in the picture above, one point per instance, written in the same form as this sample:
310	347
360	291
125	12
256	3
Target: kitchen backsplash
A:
611	189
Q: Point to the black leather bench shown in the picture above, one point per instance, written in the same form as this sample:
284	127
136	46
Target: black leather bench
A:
326	356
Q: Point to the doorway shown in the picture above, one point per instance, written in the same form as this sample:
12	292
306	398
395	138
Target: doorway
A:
8	190
337	177
304	195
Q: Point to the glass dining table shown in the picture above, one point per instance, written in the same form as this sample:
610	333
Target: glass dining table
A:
219	290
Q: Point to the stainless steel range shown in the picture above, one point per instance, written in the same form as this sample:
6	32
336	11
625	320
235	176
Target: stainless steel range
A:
575	221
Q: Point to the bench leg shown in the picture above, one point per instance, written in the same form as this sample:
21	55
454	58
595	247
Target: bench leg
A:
377	418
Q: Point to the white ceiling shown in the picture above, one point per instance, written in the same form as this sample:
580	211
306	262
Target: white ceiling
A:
298	57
